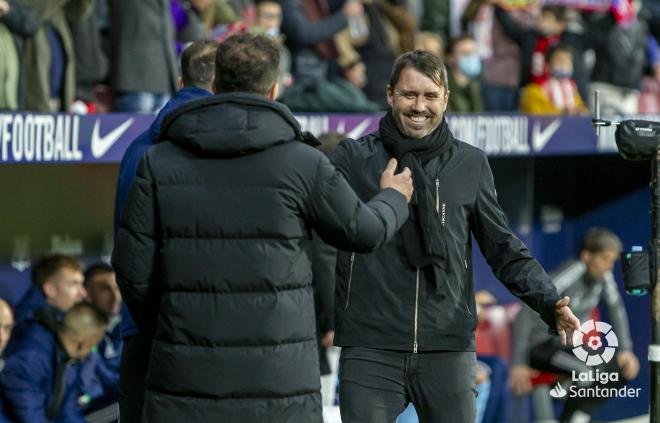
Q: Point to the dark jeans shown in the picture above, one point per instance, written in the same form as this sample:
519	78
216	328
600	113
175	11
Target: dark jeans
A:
375	386
551	357
132	376
499	98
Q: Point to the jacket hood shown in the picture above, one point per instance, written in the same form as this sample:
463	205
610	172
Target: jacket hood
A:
231	124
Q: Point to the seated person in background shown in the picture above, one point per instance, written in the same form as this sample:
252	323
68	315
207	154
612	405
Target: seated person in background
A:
42	379
463	70
57	281
557	95
103	292
588	282
6	326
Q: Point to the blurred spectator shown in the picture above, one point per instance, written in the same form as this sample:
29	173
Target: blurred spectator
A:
269	23
187	23
17	21
48	57
623	47
428	41
312	28
436	18
401	23
197	73
6	326
464	68
309	26
143	59
588	281
43	379
246	10
57	282
558	94
551	29
500	79
92	64
215	12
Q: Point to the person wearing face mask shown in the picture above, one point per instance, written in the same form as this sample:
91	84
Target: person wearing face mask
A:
558	94
553	27
464	69
269	22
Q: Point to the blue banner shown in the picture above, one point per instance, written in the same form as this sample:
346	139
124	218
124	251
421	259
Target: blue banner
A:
103	138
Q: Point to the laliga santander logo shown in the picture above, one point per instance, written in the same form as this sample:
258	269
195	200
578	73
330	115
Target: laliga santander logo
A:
595	343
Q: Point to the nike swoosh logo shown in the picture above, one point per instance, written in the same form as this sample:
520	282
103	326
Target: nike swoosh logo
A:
540	137
358	131
101	144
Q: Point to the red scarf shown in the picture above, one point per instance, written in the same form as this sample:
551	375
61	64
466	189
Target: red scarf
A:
538	70
561	93
315	10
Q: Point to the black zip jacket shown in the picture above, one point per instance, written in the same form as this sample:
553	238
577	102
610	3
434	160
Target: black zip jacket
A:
383	302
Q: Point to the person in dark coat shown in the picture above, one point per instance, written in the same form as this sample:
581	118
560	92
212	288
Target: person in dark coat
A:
43	378
405	314
143	68
197	72
212	255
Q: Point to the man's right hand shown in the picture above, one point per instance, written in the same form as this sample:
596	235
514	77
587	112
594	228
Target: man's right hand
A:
520	379
401	182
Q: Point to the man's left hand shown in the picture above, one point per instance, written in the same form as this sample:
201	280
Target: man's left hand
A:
566	320
629	364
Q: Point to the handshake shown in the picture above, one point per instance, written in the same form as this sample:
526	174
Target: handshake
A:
401	182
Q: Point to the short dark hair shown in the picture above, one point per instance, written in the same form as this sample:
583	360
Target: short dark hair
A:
559	12
561	47
600	239
96	269
454	42
247	63
422	61
46	266
198	64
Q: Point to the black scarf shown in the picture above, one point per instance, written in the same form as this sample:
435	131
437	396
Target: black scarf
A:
423	233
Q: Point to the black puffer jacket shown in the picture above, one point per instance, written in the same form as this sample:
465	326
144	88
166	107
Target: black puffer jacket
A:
212	259
384	302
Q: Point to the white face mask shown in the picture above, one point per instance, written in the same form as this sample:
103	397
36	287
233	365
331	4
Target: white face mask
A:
273	32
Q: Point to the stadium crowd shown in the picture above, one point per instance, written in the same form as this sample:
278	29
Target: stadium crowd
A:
534	56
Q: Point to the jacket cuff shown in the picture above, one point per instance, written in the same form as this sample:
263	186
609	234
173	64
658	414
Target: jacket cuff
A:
398	205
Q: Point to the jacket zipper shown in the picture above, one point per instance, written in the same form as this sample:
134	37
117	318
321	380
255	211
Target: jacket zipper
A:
415	344
350	280
437	195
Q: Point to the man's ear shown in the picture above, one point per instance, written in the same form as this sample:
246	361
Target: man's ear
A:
389	94
274	90
48	288
214	88
180	83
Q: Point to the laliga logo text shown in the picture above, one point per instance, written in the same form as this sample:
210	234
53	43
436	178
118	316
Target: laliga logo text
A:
594	344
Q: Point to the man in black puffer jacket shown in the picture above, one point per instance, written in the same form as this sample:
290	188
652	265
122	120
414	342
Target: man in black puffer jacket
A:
212	258
405	314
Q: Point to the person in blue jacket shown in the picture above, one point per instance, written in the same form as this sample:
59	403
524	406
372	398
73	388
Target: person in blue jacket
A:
197	73
42	378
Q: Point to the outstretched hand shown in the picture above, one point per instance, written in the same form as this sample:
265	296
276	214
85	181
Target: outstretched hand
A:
566	320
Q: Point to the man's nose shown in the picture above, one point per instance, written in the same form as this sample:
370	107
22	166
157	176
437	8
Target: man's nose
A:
419	105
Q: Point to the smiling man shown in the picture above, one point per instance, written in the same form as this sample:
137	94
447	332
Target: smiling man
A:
405	314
